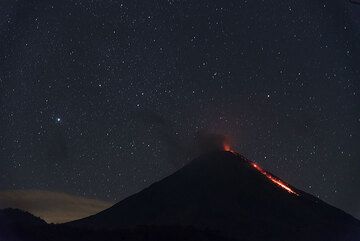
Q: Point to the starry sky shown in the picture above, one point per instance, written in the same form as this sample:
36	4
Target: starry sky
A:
101	98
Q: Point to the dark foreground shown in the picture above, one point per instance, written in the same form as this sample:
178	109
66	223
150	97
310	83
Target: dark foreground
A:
61	233
218	196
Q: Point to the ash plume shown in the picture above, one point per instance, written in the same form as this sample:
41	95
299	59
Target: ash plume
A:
180	147
206	141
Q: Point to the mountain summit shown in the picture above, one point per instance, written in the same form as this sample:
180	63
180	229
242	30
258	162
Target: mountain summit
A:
224	191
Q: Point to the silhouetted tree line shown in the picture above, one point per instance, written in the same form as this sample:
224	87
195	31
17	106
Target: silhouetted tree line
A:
149	233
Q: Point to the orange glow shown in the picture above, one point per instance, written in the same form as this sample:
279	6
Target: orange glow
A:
274	180
227	147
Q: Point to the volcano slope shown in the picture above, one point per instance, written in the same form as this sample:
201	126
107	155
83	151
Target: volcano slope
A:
225	192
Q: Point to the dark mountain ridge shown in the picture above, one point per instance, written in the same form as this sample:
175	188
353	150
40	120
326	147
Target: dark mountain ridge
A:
224	191
12	216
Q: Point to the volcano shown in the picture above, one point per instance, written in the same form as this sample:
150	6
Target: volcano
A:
225	192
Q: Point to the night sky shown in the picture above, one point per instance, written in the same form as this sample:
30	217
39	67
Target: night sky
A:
101	98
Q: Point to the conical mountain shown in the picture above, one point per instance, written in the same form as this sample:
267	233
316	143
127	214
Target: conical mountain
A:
223	191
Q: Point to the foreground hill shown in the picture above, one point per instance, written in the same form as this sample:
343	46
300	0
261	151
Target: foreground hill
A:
12	219
17	225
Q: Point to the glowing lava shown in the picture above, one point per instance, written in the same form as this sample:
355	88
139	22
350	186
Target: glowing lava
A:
278	182
227	147
274	180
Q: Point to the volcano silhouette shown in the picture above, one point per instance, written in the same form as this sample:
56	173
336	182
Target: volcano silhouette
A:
223	191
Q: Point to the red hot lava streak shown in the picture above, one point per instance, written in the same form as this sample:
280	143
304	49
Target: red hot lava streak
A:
274	180
278	182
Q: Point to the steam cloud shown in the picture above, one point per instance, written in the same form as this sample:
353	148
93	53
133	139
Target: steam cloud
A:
209	141
178	147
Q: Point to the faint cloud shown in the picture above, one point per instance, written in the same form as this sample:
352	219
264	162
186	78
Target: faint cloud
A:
53	207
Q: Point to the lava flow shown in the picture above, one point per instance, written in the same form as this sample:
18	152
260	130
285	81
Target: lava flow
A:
274	180
227	147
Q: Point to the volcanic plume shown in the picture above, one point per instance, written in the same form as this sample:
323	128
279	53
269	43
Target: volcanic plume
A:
211	141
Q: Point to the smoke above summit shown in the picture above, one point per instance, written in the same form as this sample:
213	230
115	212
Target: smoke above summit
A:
180	148
210	141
